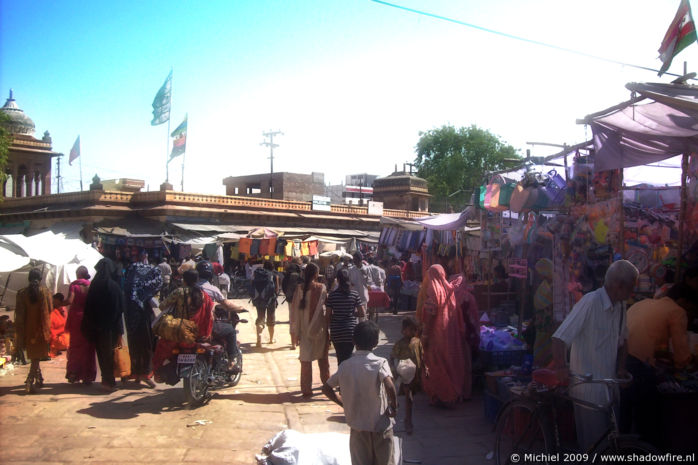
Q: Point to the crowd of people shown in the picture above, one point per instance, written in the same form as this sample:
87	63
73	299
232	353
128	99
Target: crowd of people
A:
325	306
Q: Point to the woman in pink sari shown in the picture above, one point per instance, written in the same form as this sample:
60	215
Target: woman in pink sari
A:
443	338
82	361
467	306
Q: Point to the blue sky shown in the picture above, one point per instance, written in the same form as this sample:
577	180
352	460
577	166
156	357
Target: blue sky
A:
350	83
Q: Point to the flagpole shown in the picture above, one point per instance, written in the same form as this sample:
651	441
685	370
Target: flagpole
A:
167	139
183	155
167	155
80	157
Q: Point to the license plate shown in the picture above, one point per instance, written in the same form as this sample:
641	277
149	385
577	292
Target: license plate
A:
186	358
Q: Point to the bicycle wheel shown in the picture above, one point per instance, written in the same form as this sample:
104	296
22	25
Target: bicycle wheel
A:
521	429
625	446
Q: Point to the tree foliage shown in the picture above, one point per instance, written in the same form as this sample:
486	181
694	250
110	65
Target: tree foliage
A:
5	141
455	161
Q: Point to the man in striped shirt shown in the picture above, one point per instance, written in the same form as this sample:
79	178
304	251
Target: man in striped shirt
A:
597	333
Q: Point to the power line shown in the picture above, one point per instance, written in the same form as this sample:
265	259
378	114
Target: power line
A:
522	39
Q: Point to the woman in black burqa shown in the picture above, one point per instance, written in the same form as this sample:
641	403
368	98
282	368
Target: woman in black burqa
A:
102	322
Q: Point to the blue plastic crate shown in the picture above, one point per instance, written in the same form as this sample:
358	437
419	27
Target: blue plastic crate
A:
492	405
502	358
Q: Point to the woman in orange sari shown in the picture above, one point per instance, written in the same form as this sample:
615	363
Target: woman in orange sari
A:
443	337
59	338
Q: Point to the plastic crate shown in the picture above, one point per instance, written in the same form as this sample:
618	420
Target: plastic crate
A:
502	358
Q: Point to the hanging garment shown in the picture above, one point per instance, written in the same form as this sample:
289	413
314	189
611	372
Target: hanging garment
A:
235	252
271	249
304	249
264	247
312	248
288	249
244	245
281	246
254	248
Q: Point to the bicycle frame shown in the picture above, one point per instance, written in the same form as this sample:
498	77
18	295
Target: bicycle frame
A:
548	402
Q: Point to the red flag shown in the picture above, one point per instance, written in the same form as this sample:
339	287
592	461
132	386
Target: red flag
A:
75	151
681	34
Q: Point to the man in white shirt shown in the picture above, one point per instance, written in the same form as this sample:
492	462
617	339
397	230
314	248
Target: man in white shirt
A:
360	278
377	274
597	332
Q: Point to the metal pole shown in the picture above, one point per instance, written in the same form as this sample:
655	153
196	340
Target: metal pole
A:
682	215
183	155
80	157
58	175
271	146
167	137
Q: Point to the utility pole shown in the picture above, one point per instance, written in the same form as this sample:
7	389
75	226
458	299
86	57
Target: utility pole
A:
58	174
271	146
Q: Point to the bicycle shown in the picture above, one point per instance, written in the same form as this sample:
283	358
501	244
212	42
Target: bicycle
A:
527	428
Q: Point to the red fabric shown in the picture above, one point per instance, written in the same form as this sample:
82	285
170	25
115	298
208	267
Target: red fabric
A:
204	323
272	246
312	248
444	350
217	268
264	247
244	245
82	357
378	299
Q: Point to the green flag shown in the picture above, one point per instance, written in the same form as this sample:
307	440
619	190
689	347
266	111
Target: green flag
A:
161	102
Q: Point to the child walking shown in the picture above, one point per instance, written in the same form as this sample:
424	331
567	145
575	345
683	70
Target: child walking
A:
368	397
406	361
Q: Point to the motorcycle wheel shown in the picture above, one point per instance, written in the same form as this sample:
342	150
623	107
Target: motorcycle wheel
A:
195	384
235	379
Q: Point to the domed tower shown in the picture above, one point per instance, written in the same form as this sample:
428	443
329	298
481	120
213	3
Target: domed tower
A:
402	190
28	166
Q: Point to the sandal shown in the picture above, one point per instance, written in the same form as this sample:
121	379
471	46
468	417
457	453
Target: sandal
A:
29	383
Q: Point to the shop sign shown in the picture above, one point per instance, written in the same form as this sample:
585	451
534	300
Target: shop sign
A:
321	203
375	208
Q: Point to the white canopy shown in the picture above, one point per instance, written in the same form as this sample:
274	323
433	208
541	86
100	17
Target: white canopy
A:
57	256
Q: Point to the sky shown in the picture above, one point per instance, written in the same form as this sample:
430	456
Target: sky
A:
349	83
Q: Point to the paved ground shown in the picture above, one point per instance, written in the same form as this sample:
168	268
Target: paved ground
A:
66	423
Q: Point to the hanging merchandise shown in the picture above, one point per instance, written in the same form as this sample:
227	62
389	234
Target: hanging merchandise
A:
519	196
312	248
254	248
245	245
555	188
264	247
271	247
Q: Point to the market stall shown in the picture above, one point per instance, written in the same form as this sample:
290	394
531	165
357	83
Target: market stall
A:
567	225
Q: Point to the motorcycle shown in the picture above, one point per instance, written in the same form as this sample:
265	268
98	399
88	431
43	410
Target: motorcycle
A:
204	366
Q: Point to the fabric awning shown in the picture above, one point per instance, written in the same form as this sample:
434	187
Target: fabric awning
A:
639	133
448	221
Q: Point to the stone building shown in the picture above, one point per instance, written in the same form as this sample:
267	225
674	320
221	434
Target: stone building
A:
284	186
403	191
28	166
